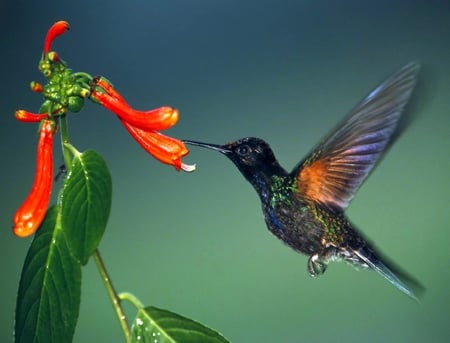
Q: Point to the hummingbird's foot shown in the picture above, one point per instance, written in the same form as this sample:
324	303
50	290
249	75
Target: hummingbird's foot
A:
316	265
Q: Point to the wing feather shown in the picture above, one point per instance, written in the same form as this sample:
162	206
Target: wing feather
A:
332	173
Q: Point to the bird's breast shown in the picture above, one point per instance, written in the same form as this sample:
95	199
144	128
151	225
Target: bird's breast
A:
293	223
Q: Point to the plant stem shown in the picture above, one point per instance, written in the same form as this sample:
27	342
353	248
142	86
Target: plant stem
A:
115	300
65	140
132	299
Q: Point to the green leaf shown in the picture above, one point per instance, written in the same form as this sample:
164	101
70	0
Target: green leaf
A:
48	300
86	203
153	324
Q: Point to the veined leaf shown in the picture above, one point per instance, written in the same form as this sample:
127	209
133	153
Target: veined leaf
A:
86	203
50	285
155	325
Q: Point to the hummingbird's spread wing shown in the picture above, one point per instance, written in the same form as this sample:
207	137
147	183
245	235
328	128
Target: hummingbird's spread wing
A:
335	169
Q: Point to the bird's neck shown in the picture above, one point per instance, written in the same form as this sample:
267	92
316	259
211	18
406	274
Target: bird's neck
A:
266	180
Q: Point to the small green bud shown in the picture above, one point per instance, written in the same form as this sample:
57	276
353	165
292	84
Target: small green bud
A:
76	103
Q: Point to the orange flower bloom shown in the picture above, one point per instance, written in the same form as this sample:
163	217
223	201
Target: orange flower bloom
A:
144	125
54	31
28	117
30	215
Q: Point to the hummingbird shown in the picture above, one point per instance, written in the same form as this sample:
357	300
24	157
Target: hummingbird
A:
306	207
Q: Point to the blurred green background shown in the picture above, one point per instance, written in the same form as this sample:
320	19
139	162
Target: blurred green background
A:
196	244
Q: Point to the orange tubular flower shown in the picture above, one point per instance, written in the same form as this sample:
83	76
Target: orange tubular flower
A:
164	148
55	30
158	119
28	117
144	125
30	215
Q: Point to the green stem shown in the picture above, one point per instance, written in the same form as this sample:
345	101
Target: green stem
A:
115	300
65	141
82	75
132	299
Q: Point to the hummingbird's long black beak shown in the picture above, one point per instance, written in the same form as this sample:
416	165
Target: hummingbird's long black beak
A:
216	147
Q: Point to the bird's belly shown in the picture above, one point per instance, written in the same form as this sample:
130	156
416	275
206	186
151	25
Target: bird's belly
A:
300	230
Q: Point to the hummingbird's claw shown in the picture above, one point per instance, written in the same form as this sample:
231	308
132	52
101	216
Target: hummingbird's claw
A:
316	265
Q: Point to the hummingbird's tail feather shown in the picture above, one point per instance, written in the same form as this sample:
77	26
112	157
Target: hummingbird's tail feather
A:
395	276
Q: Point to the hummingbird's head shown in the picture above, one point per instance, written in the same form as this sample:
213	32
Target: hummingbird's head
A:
251	155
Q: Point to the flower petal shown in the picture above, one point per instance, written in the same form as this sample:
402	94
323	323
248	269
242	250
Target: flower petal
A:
188	168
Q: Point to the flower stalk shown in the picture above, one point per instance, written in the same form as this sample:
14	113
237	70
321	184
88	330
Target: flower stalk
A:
112	294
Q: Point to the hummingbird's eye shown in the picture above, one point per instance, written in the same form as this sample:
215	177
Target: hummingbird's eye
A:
243	150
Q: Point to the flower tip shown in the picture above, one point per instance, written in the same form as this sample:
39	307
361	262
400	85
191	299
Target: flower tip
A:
188	168
60	27
64	23
21	232
19	114
168	117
